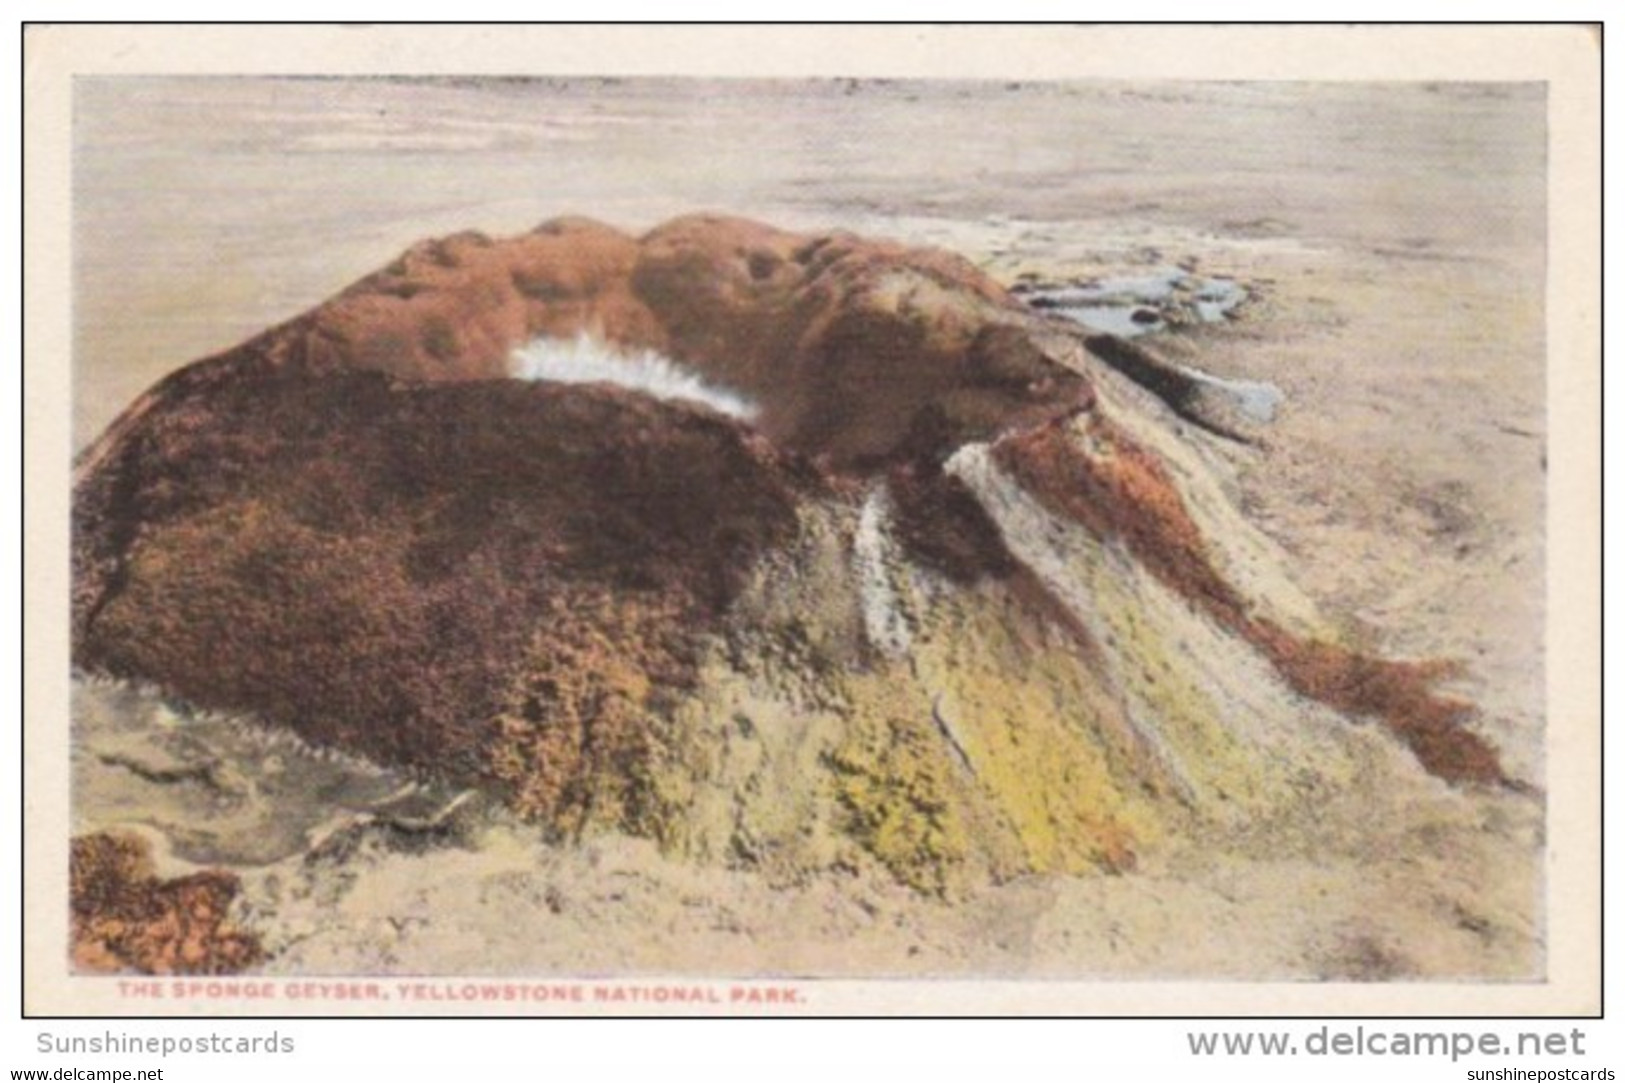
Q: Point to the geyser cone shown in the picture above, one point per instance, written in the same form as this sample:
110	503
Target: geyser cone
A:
928	597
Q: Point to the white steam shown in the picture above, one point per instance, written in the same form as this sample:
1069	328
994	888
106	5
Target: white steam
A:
585	360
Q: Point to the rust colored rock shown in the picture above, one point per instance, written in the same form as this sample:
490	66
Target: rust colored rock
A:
1400	693
853	347
124	918
456	308
1117	489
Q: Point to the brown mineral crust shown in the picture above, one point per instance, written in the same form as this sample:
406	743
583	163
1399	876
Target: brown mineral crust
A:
349	524
578	738
849	344
759	303
943	525
1398	692
124	918
852	347
455	308
1115	488
368	561
451	309
1104	480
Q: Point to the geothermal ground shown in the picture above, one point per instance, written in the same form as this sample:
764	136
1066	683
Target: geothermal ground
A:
1389	241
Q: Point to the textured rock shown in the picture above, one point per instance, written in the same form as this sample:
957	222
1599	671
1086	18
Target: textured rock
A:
370	562
941	606
860	351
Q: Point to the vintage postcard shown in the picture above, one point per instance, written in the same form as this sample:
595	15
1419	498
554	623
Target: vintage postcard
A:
743	520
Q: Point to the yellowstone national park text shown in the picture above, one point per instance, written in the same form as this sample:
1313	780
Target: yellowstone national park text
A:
469	992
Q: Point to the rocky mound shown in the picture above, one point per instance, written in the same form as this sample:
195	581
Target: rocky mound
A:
951	600
859	351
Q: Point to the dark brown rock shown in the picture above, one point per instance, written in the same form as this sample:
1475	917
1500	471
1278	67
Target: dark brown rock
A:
366	560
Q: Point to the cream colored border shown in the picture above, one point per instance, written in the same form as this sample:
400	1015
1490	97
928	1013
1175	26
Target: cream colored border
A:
1567	58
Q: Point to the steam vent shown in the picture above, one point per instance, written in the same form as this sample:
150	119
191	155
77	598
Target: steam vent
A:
788	554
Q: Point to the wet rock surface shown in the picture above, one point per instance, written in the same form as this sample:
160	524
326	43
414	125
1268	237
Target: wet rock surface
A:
1139	304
